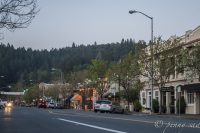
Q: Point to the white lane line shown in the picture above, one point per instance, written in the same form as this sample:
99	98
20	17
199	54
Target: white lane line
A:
92	126
116	118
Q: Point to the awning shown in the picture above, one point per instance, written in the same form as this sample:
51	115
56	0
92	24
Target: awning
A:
76	97
167	89
191	87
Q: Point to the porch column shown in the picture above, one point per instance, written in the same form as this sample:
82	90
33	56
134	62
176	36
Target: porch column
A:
168	102
176	94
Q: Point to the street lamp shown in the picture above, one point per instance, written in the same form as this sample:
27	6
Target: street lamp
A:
151	47
61	73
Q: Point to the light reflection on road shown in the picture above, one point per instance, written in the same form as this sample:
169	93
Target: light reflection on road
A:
8	110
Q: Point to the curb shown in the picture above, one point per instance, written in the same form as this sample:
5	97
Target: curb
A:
194	117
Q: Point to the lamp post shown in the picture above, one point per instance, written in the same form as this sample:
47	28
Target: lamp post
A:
151	48
61	74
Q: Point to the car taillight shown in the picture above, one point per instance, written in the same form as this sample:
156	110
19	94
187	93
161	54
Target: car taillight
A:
110	105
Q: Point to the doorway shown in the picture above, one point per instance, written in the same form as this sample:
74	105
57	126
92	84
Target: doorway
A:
149	100
197	102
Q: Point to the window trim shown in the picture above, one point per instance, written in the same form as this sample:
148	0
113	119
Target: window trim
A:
190	98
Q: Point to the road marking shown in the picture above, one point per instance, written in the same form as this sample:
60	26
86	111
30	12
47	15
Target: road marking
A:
124	119
92	126
105	117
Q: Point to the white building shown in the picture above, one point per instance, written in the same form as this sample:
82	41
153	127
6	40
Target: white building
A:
190	87
62	90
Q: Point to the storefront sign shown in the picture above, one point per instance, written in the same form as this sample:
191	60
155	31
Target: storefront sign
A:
167	89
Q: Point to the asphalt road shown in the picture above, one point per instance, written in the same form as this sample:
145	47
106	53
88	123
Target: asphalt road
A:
34	120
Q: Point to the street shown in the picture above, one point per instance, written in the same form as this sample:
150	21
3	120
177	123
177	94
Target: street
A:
34	120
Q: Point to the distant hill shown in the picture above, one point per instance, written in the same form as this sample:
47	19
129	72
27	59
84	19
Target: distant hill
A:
25	65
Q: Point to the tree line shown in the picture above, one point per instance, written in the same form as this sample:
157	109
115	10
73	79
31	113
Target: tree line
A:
21	67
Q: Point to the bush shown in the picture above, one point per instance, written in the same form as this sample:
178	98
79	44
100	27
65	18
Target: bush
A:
182	105
172	109
137	106
155	106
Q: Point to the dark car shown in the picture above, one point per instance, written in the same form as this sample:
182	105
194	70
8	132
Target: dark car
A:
42	104
117	108
59	106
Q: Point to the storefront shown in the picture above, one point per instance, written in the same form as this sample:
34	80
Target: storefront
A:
191	93
192	98
76	101
168	100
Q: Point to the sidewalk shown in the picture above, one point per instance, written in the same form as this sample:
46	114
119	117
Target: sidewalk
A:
184	116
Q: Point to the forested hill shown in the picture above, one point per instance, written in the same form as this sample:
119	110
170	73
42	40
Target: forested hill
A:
23	65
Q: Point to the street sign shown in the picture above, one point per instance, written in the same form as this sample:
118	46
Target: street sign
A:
167	89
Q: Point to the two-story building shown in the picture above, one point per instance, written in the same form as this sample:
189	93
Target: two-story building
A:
190	87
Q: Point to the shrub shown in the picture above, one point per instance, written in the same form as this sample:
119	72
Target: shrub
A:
163	109
155	106
137	106
182	105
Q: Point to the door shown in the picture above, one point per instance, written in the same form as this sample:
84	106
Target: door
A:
149	100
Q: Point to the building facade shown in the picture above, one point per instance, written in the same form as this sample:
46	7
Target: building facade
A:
179	84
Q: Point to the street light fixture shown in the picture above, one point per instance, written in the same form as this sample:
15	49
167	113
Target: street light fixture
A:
61	73
151	48
2	76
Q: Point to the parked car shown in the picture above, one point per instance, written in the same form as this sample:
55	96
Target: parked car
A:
42	104
59	106
51	105
3	104
23	104
103	106
29	105
117	108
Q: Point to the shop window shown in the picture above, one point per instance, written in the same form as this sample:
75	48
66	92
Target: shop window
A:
156	95
190	98
143	98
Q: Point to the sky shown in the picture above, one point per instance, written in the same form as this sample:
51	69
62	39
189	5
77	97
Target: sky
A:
62	22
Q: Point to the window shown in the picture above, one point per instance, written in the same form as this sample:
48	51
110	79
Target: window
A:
190	98
143	98
149	93
156	95
179	66
143	94
172	65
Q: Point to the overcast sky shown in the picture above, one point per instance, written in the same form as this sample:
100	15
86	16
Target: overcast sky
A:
62	22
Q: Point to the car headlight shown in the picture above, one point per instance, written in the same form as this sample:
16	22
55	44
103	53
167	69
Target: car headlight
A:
9	104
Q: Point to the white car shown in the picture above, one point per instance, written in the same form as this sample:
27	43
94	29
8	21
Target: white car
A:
51	105
103	106
3	104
